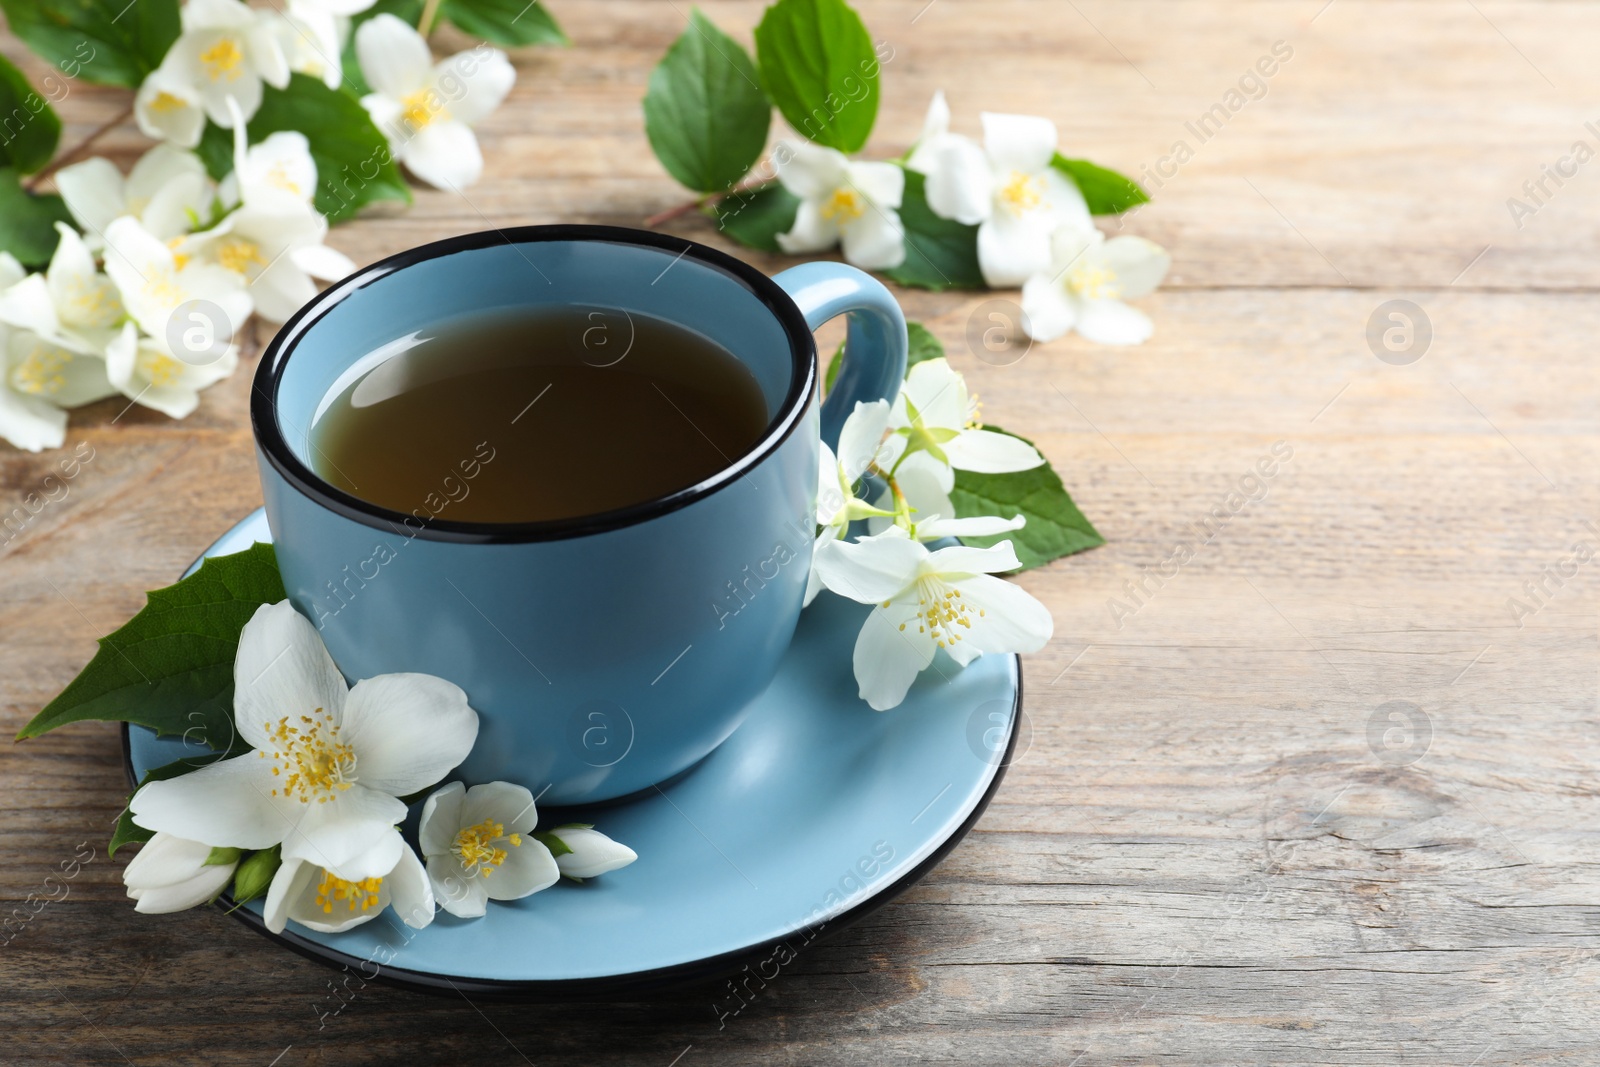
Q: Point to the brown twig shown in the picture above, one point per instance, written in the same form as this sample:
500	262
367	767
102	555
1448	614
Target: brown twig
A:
78	149
682	209
430	11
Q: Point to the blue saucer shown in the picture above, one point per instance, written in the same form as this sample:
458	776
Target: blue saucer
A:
815	812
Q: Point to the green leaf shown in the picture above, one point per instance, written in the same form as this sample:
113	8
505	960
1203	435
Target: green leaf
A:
29	128
127	831
27	222
171	666
112	42
550	841
757	217
705	113
832	373
819	67
1105	191
354	167
509	23
408	11
922	345
1055	526
940	253
253	877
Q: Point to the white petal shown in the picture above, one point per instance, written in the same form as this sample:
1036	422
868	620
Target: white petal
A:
938	393
282	669
808	170
167	107
279	172
875	241
958	561
1111	322
410	894
323	262
814	577
333	915
811	232
472	84
862	434
960	183
506	803
68	378
30	423
936	123
1012	621
93	192
870	570
288	883
1012	249
988	452
441	819
11	271
388	114
1062	202
131	253
924	489
173	210
1022	143
461	894
394	58
527	869
976	526
1139	265
198	889
408	730
593	853
352	835
887	659
28	305
882	183
267	55
281	290
1048	311
228	804
165	860
217	14
445	154
154	170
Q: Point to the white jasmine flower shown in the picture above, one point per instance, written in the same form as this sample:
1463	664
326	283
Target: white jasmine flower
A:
925	601
273	241
308	33
341	8
427	110
167	190
842	202
932	515
226	50
860	440
49	363
145	371
320	900
171	874
329	761
593	853
935	426
1009	189
1085	283
479	846
155	279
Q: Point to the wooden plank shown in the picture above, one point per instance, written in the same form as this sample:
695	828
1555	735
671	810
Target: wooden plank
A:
1210	852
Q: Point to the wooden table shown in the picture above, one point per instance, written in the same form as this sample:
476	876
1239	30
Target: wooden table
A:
1220	848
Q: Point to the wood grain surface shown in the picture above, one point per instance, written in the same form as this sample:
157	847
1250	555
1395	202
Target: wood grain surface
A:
1219	848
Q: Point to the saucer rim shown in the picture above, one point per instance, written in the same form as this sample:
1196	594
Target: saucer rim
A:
621	985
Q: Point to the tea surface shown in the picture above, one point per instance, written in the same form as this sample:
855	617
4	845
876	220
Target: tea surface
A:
524	416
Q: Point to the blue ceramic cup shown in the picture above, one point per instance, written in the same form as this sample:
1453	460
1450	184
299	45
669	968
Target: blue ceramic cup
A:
604	653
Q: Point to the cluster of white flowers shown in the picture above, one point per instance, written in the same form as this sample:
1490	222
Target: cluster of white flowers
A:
1034	227
322	782
923	600
145	297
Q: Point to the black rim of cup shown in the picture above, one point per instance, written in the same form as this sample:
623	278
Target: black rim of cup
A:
270	438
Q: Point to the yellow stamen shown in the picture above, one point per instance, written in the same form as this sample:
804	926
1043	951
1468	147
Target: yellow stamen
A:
355	896
278	177
1022	192
319	764
844	205
421	108
942	609
223	60
478	847
165	102
41	373
1095	282
238	255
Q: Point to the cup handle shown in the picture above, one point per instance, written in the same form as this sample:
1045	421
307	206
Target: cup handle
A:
875	346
